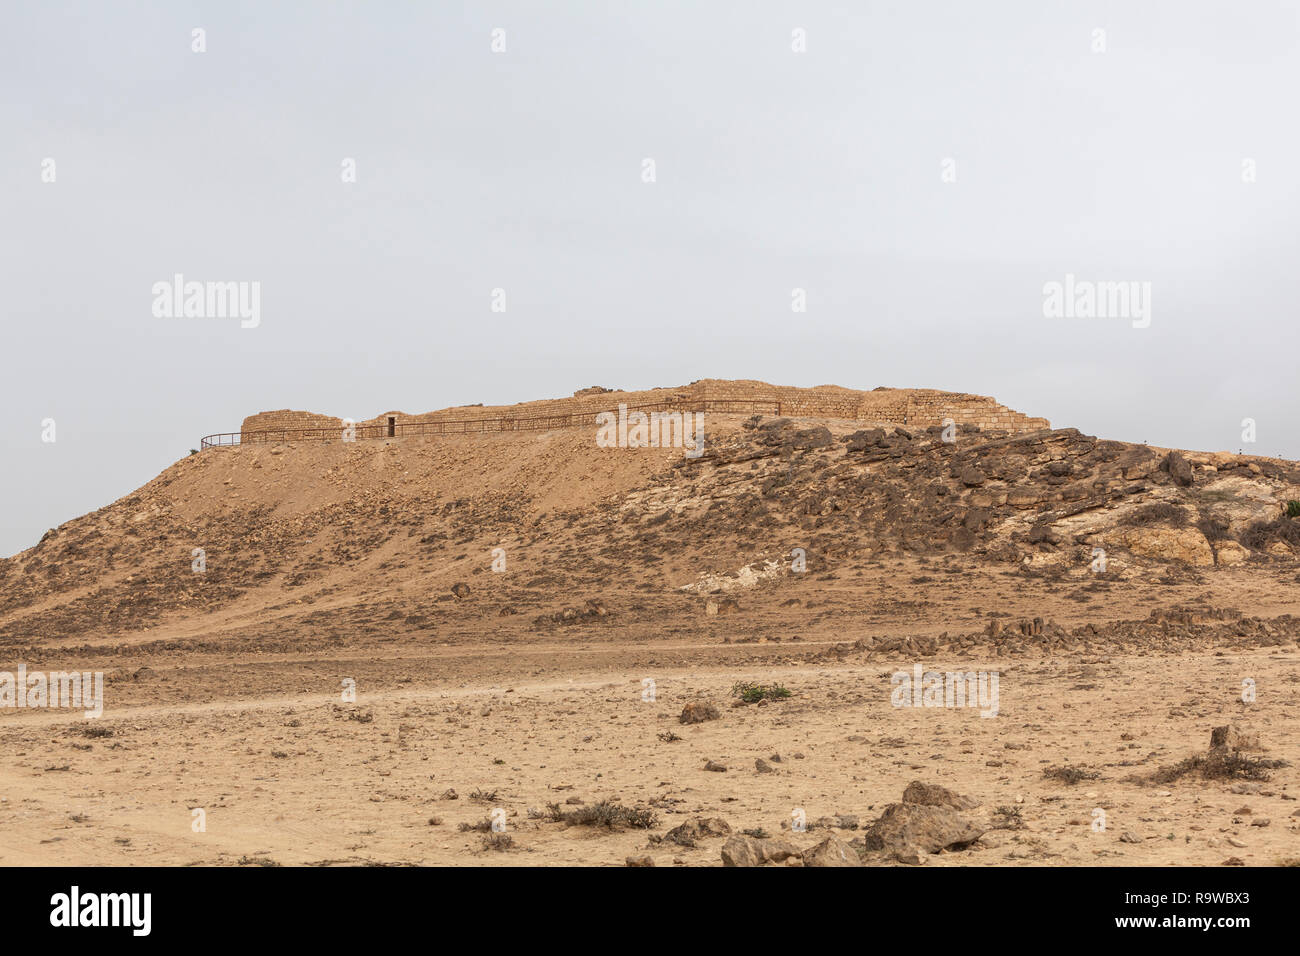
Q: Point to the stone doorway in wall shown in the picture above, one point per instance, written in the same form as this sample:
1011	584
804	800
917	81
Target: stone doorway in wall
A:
392	426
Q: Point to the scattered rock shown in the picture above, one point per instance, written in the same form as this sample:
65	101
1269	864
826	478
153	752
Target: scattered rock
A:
692	831
698	712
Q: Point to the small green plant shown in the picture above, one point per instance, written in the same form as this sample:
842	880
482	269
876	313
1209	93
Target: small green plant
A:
1293	509
753	693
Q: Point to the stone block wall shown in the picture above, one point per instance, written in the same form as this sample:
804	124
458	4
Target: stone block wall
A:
285	419
919	407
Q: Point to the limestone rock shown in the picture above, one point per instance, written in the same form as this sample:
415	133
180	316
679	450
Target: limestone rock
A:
831	852
933	795
905	827
1169	544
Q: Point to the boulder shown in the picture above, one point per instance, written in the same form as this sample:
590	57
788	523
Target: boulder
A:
778	851
741	850
907	827
697	712
933	795
692	831
1178	467
831	852
864	439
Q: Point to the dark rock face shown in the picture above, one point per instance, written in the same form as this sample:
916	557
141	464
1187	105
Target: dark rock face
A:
1179	469
862	440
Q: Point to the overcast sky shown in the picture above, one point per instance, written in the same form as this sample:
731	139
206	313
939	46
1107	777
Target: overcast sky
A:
524	170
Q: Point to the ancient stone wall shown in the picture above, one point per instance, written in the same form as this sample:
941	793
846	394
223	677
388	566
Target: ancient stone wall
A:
286	419
920	407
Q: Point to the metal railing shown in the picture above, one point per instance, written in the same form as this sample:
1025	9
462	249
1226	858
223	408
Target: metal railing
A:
467	426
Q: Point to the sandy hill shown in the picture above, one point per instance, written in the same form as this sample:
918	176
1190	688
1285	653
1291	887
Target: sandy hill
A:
355	538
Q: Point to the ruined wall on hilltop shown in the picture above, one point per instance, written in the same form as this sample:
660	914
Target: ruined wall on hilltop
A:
919	407
926	407
285	419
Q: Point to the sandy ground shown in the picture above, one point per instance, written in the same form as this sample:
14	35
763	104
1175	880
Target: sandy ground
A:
303	778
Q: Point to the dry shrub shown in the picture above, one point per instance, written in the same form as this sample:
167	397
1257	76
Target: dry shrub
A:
1263	533
1071	775
611	816
1218	764
1162	512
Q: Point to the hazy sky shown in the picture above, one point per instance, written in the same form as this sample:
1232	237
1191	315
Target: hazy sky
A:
523	170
